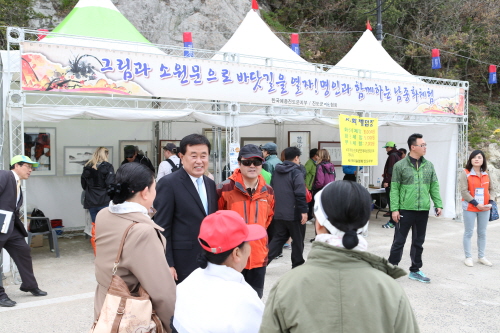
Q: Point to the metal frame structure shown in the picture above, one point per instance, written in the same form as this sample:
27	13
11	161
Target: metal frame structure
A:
18	99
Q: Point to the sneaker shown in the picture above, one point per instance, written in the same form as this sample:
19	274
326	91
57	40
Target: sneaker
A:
279	256
485	262
287	246
419	276
388	225
468	262
387	214
312	240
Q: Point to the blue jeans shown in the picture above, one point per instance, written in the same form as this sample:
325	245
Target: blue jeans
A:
94	210
482	222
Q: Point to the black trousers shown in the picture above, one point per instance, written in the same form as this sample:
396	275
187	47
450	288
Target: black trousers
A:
255	278
284	230
417	222
20	252
388	193
310	212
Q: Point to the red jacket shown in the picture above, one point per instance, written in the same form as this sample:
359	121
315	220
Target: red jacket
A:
258	208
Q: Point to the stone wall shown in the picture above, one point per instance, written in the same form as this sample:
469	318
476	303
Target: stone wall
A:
211	22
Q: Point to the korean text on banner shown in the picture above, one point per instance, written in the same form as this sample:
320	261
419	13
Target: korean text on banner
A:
359	138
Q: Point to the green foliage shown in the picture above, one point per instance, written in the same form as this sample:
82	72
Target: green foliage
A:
482	126
66	6
494	109
14	13
272	20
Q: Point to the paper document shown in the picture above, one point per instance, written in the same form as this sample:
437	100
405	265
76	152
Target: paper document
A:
5	219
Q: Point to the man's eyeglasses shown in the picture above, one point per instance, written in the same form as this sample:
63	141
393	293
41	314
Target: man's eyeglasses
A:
423	145
29	166
250	162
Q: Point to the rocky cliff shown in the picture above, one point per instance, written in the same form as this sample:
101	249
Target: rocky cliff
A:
212	22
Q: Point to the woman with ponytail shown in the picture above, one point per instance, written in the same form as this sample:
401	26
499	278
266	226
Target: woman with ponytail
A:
341	287
216	297
142	261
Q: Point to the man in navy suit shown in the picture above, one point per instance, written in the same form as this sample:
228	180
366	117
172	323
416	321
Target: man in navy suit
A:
183	199
11	200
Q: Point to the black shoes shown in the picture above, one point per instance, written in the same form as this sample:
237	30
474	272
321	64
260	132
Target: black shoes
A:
7	302
34	291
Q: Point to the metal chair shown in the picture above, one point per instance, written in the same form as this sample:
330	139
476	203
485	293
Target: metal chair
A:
54	246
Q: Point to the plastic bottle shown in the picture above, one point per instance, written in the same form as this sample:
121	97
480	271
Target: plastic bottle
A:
378	182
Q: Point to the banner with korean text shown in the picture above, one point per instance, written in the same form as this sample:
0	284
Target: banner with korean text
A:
63	69
358	139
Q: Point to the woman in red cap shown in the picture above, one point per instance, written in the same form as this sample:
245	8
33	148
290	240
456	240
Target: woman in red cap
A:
215	297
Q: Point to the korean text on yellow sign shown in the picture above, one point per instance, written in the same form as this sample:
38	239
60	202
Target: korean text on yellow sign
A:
359	138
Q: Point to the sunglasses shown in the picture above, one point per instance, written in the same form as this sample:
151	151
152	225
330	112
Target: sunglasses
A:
250	162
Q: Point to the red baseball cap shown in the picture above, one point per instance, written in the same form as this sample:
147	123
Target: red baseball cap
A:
225	229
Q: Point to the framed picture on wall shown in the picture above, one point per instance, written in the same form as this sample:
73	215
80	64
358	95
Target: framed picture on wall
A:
301	140
256	141
40	146
145	147
76	157
162	144
334	149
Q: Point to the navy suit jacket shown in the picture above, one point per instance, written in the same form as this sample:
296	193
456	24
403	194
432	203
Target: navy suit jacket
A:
180	212
8	197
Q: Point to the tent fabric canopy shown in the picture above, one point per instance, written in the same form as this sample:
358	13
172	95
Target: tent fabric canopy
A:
369	54
99	19
254	39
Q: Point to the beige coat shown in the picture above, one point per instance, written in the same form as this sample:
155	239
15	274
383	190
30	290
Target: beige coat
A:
143	260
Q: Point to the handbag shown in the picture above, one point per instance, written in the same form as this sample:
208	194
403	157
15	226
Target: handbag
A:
37	225
123	311
493	211
309	196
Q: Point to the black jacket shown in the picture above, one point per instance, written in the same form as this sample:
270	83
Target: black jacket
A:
95	183
394	156
289	192
180	212
143	160
8	196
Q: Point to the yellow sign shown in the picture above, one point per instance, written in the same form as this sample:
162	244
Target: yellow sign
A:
359	139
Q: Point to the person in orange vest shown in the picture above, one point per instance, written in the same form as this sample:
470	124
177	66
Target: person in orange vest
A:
247	193
475	187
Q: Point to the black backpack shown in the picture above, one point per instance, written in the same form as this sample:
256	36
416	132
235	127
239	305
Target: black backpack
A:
174	167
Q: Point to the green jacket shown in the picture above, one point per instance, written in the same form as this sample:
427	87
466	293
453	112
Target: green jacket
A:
339	290
266	175
270	164
310	173
412	189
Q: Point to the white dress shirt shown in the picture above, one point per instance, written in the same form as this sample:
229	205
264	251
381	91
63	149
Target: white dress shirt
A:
17	180
217	299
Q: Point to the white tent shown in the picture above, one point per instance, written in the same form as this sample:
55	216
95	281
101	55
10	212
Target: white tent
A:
254	43
368	58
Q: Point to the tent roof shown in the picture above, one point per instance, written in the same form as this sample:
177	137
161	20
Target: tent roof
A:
99	19
369	54
254	38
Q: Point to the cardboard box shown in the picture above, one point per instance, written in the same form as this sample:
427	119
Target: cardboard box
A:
37	241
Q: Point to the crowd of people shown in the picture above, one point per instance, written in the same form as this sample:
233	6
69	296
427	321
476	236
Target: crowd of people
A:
201	249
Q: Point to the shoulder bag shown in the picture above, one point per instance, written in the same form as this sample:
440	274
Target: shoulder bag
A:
493	211
123	312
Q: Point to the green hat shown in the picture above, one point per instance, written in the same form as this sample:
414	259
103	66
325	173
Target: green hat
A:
389	144
22	158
